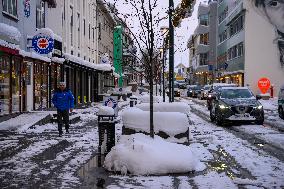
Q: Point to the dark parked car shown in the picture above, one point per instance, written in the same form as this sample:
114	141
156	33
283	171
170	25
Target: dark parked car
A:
176	91
214	89
236	104
181	84
196	91
190	90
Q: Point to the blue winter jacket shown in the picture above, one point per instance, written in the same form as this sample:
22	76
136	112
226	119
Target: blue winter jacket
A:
63	100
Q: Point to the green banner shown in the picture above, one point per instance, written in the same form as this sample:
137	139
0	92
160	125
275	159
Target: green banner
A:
117	53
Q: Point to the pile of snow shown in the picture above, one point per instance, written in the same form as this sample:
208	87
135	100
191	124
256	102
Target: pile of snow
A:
10	31
9	45
58	60
34	56
141	155
166	107
81	61
105	110
116	74
172	123
145	98
271	104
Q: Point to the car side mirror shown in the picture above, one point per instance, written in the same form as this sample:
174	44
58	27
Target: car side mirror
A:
258	97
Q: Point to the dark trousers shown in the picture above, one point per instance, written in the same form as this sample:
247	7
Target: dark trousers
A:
63	117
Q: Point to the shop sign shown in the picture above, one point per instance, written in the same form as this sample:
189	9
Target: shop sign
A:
111	101
264	85
27	8
8	50
42	43
57	49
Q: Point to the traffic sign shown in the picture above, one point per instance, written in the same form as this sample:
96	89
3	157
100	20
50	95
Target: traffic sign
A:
263	85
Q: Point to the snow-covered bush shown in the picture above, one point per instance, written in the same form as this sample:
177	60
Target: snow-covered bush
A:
166	107
141	155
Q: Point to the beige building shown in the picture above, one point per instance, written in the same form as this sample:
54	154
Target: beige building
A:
247	48
261	51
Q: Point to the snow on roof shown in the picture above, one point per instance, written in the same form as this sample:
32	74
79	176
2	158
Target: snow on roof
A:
34	56
230	73
57	60
223	84
49	32
81	61
166	107
234	88
12	32
116	74
141	155
103	67
9	45
172	123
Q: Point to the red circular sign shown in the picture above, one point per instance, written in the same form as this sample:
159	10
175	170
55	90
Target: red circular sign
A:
264	85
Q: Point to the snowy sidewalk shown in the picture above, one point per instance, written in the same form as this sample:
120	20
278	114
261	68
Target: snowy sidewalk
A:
36	157
26	120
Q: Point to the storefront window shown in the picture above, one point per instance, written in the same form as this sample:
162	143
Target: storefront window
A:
41	86
4	85
16	85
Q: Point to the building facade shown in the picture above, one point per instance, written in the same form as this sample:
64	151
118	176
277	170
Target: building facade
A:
247	50
28	78
202	45
231	37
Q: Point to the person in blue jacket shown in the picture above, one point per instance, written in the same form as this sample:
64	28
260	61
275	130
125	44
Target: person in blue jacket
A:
63	100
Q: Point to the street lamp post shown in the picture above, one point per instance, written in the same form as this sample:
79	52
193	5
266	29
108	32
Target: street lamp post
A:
171	52
164	31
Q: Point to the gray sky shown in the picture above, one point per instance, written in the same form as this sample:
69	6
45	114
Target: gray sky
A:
182	33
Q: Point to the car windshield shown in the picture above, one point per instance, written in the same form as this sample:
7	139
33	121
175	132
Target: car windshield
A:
236	93
197	87
206	87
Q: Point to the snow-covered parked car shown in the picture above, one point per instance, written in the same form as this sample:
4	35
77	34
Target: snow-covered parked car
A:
281	102
236	104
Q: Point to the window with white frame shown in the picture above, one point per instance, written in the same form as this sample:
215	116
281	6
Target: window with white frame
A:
10	7
78	29
40	20
71	25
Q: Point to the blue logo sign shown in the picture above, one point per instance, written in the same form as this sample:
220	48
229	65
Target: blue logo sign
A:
111	103
43	44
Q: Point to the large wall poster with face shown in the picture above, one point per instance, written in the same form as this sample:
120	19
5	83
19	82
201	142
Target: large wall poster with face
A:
273	10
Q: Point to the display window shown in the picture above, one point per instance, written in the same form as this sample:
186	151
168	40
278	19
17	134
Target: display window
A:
40	86
16	85
4	85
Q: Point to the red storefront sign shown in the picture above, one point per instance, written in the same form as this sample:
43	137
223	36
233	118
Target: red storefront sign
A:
264	85
9	51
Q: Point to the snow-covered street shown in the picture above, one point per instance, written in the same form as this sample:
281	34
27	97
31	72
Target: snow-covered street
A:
245	156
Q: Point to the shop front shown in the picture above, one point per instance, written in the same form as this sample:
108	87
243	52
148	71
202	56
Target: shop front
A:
82	81
231	77
12	82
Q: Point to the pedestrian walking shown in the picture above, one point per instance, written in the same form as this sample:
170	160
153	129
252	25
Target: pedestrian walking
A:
63	100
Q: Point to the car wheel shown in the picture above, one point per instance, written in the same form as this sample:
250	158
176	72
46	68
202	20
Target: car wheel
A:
212	116
260	122
219	120
281	112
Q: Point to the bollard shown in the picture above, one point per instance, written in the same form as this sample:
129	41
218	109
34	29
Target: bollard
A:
106	124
